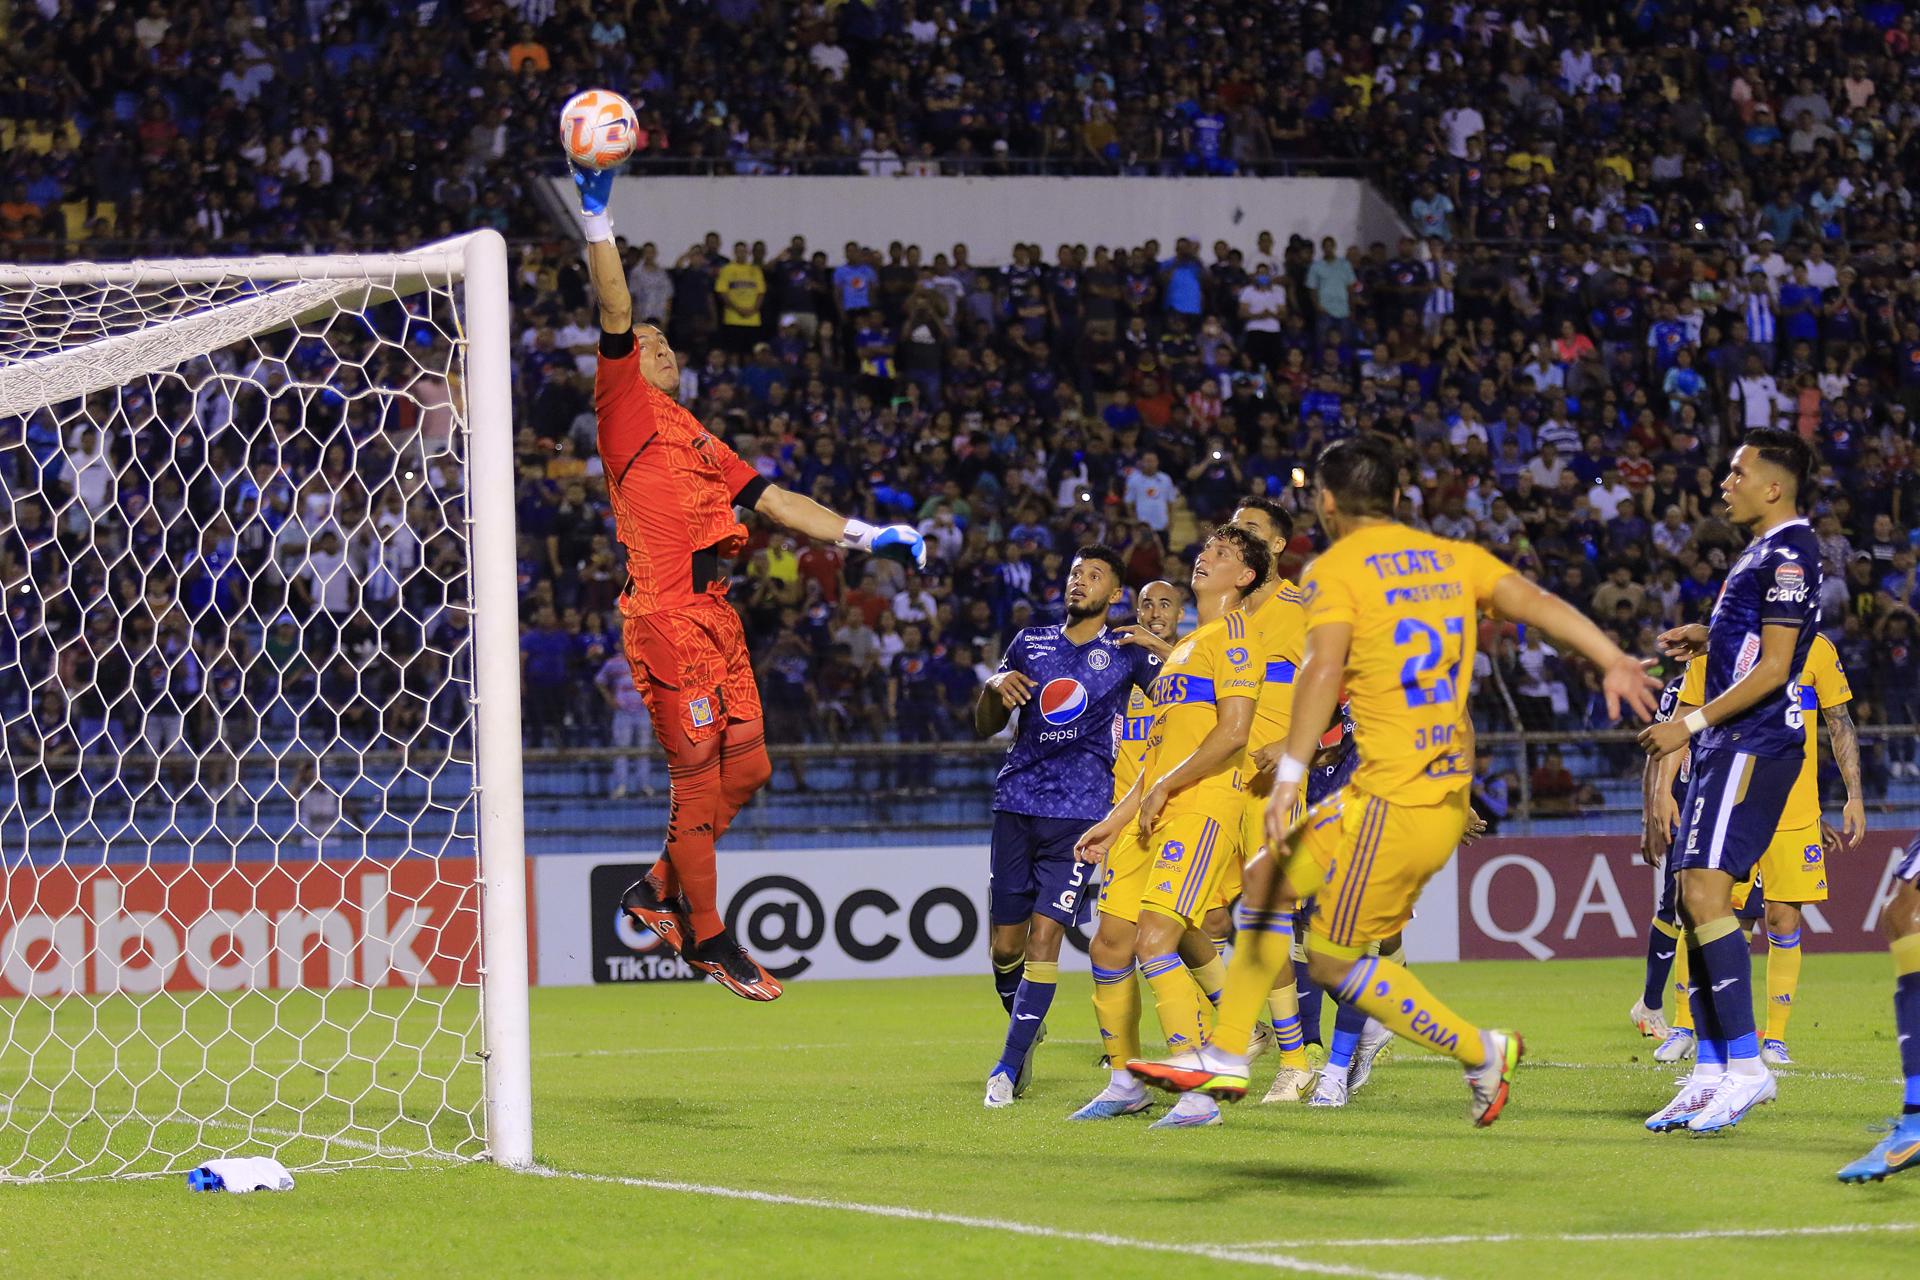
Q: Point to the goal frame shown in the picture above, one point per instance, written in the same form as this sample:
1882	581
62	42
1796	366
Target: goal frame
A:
477	260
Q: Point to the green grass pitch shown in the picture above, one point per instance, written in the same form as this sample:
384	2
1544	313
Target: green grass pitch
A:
846	1099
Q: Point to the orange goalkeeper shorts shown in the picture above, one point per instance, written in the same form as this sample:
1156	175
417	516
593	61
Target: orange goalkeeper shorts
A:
692	667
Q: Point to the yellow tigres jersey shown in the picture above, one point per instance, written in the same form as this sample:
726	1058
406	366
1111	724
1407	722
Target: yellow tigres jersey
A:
1282	627
1823	683
1130	733
1219	660
1413	601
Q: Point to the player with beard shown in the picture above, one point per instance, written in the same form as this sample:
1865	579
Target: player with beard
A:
1068	683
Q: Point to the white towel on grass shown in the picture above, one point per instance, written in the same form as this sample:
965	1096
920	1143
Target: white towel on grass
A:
242	1174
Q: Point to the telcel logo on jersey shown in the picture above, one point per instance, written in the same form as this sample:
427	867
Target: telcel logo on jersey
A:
1062	699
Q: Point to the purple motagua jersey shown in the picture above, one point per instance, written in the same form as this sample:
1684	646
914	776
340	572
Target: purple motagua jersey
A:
1775	582
1061	761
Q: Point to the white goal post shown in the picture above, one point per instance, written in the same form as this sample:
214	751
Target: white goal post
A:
262	857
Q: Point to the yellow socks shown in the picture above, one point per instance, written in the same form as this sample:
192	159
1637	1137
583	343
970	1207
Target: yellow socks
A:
1783	980
1211	978
1184	1012
1283	1002
1116	1004
1402	1003
1261	950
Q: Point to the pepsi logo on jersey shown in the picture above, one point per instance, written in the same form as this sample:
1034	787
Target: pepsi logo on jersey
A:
1062	699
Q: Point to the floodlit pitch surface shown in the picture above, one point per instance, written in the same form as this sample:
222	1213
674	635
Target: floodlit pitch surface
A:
839	1132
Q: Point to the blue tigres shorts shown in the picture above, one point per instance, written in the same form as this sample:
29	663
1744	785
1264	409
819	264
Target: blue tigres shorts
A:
1733	807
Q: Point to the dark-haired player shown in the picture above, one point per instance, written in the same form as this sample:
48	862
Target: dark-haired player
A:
1187	802
1747	743
674	487
1068	683
1393	613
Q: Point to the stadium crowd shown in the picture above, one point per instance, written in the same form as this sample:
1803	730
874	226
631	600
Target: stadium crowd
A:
1638	232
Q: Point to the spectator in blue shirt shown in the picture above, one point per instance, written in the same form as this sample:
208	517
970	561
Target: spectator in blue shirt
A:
854	282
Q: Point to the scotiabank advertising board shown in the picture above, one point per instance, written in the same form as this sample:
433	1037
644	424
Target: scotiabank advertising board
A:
239	926
1542	898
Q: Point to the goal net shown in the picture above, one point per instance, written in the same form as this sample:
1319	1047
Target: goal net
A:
260	825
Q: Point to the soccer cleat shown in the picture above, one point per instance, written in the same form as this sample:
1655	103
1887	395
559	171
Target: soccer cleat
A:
1263	1040
1192	1112
1288	1085
1374	1039
1489	1085
1730	1103
1331	1091
999	1090
1195	1072
1774	1053
1899	1150
1696	1091
668	920
1677	1047
1650	1023
1112	1102
730	965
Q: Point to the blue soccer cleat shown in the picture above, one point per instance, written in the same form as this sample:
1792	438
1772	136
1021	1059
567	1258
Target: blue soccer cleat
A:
1113	1102
1774	1053
1898	1151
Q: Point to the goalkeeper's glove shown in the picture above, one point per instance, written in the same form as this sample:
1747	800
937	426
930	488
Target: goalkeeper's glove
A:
596	188
900	542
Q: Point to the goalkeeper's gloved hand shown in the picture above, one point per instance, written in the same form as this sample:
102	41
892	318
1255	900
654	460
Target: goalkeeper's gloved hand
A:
596	188
900	542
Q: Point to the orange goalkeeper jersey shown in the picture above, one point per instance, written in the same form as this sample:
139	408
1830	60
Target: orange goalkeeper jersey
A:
673	485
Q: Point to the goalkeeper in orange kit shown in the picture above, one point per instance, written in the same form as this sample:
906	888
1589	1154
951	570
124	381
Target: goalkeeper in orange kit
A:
673	487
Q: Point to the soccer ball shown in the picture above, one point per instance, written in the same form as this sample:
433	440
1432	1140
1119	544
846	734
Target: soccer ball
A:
598	129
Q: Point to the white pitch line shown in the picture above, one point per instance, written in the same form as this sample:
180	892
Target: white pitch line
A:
1215	1253
1600	1237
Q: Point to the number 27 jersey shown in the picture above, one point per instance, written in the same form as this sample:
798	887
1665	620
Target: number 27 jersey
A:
1413	601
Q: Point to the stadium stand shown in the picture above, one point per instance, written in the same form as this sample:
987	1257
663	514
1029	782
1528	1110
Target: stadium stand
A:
1636	233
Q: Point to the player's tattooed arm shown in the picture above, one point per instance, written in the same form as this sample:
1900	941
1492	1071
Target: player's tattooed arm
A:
1845	739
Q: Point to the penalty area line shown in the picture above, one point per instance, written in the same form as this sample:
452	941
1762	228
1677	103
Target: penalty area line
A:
1252	1255
1597	1237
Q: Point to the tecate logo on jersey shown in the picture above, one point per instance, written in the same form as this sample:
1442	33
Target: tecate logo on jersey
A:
1062	700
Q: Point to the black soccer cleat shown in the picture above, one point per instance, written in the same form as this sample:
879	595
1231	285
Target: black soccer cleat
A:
733	968
672	921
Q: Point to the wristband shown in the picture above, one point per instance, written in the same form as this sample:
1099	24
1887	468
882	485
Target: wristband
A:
1289	770
1696	720
858	535
597	226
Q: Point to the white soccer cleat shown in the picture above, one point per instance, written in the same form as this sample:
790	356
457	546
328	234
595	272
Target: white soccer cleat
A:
1677	1047
1193	1111
1263	1040
1696	1091
999	1090
1737	1095
1290	1085
1774	1053
1331	1091
1374	1039
1650	1023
